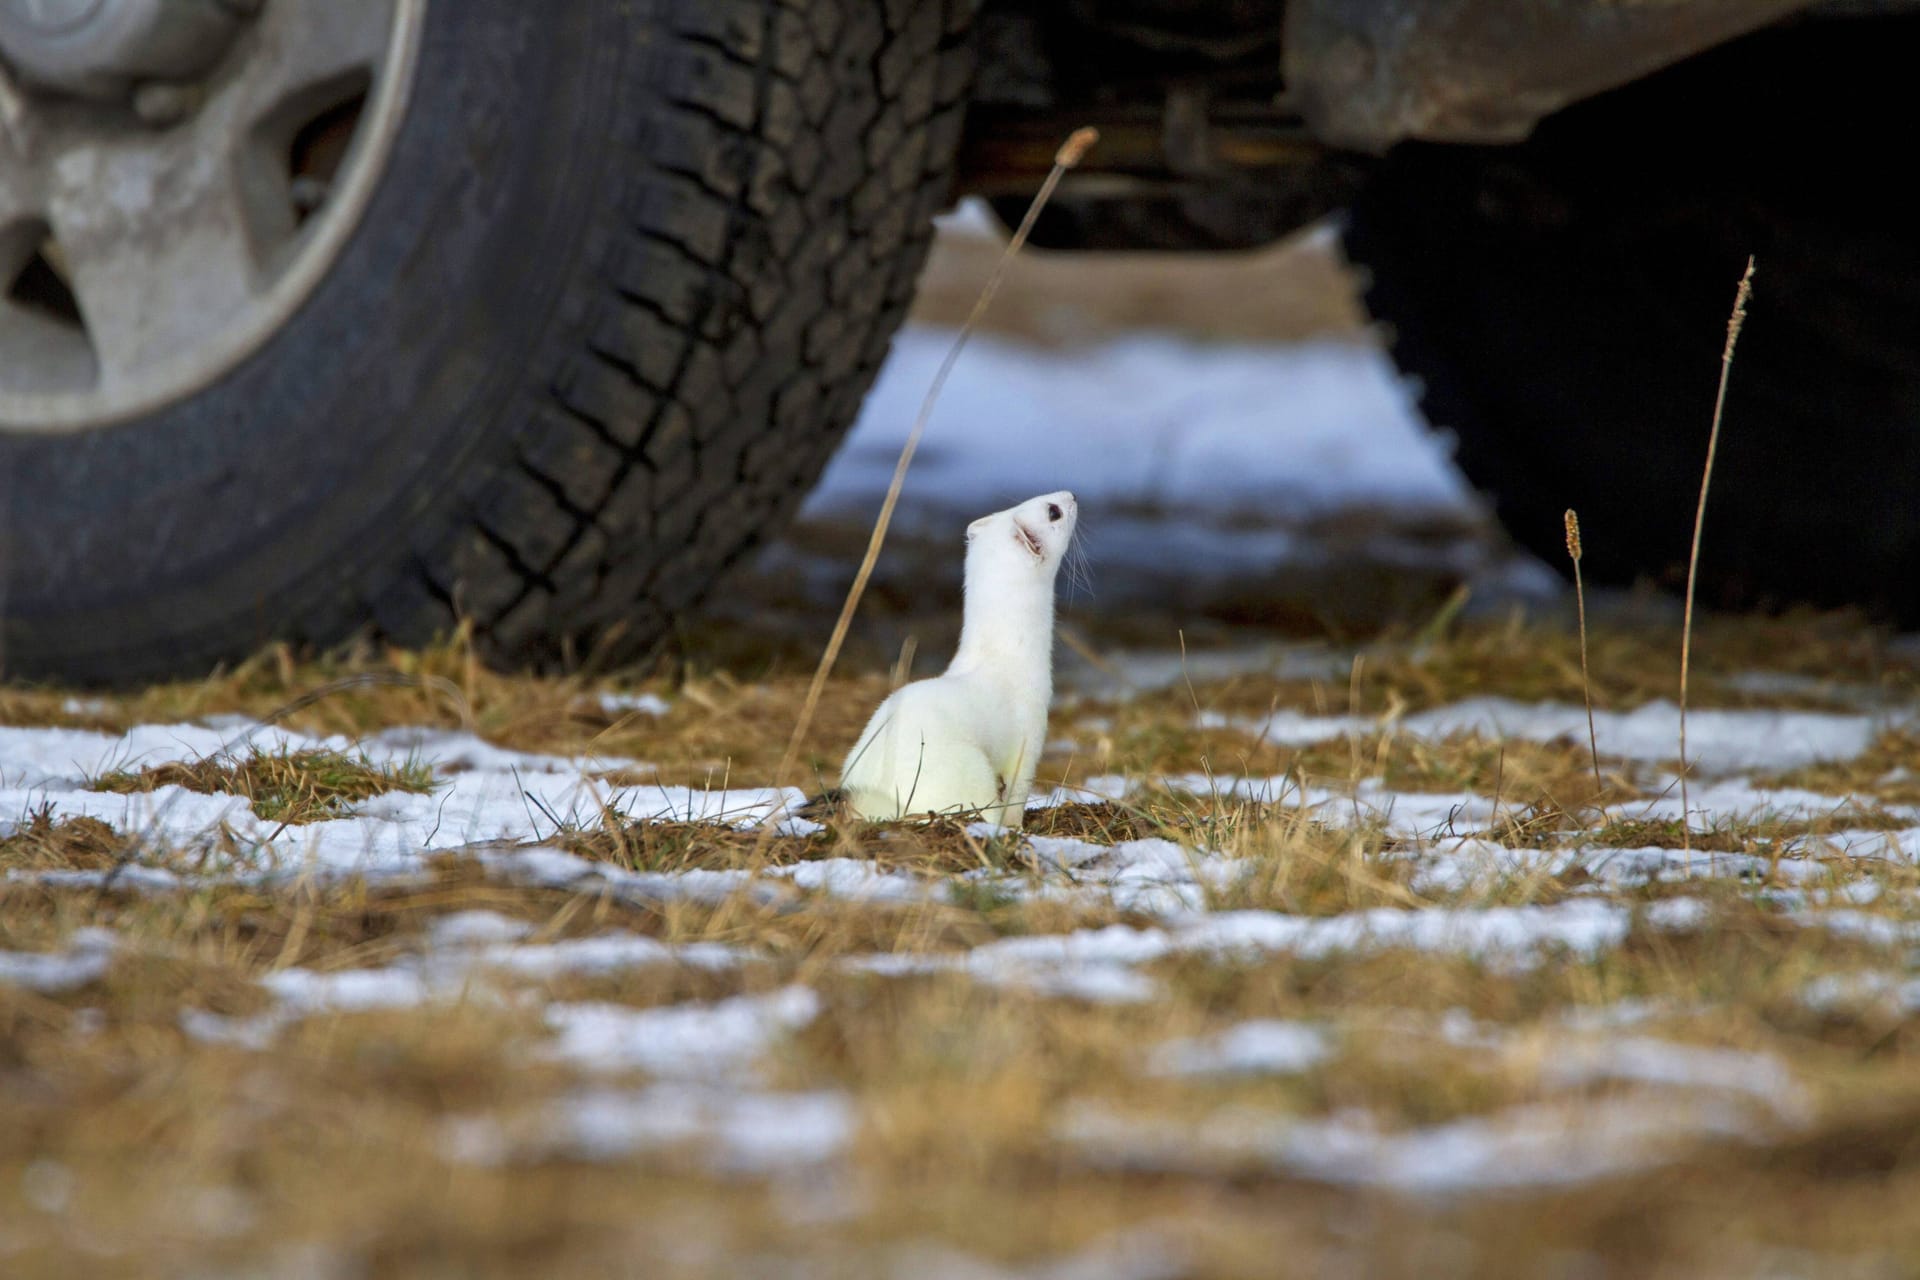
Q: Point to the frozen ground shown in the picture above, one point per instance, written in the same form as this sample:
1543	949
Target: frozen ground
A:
1311	964
699	1071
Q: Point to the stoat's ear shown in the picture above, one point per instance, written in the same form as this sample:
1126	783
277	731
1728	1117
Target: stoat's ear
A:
1027	540
977	526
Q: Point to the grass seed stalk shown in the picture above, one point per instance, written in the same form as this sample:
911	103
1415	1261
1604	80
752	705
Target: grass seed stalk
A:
1586	681
1735	321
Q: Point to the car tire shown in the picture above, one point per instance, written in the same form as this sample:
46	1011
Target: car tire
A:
627	274
1563	305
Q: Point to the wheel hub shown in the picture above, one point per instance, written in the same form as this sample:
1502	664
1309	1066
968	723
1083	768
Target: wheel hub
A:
175	180
98	48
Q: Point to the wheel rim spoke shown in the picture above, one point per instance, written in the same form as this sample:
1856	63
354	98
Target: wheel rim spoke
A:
20	200
18	206
156	248
312	54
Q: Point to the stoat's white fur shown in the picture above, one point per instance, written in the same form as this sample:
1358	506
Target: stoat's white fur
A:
970	739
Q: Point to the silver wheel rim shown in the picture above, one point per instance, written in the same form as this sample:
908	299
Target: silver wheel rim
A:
139	263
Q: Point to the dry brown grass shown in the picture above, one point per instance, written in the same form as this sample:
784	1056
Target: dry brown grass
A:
128	1145
721	727
1630	666
728	729
291	787
1887	772
46	843
336	1137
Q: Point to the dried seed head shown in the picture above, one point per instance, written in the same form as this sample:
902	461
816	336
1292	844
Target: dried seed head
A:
1573	535
1741	297
1076	146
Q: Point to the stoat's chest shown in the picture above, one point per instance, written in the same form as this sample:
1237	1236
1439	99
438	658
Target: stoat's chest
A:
1006	718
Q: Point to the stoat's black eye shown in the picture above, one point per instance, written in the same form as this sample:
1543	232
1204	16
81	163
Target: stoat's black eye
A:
1053	511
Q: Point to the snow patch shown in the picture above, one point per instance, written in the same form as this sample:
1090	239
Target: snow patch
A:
1259	1047
88	955
1520	1148
1201	422
744	1133
697	1041
1721	741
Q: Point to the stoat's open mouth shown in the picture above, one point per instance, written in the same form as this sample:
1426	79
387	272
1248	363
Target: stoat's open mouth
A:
1028	540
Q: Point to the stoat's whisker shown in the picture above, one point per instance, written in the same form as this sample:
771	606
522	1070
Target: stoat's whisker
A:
1079	567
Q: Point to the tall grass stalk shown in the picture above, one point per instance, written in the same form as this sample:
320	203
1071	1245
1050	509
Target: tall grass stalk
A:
1734	323
1586	682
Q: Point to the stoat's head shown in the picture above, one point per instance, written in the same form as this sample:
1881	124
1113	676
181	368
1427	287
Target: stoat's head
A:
1033	536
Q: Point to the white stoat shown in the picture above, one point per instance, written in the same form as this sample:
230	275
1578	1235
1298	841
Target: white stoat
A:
969	739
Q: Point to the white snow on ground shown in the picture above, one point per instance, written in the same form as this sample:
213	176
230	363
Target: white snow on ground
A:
1201	466
1853	992
1262	1047
1150	877
1101	964
608	953
462	950
730	1131
1735	800
1515	937
487	795
854	879
705	1059
303	993
1579	1051
489	940
1527	1146
1467	866
1872	930
1147	420
1721	741
1413	815
40	756
484	794
557	869
84	962
1675	1095
475	929
694	1041
32	757
1645	1061
646	704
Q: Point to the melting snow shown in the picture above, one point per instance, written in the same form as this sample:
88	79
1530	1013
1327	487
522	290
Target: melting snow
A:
731	1131
646	704
684	1040
1351	433
1528	1146
1260	1047
1662	1063
1717	740
85	961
